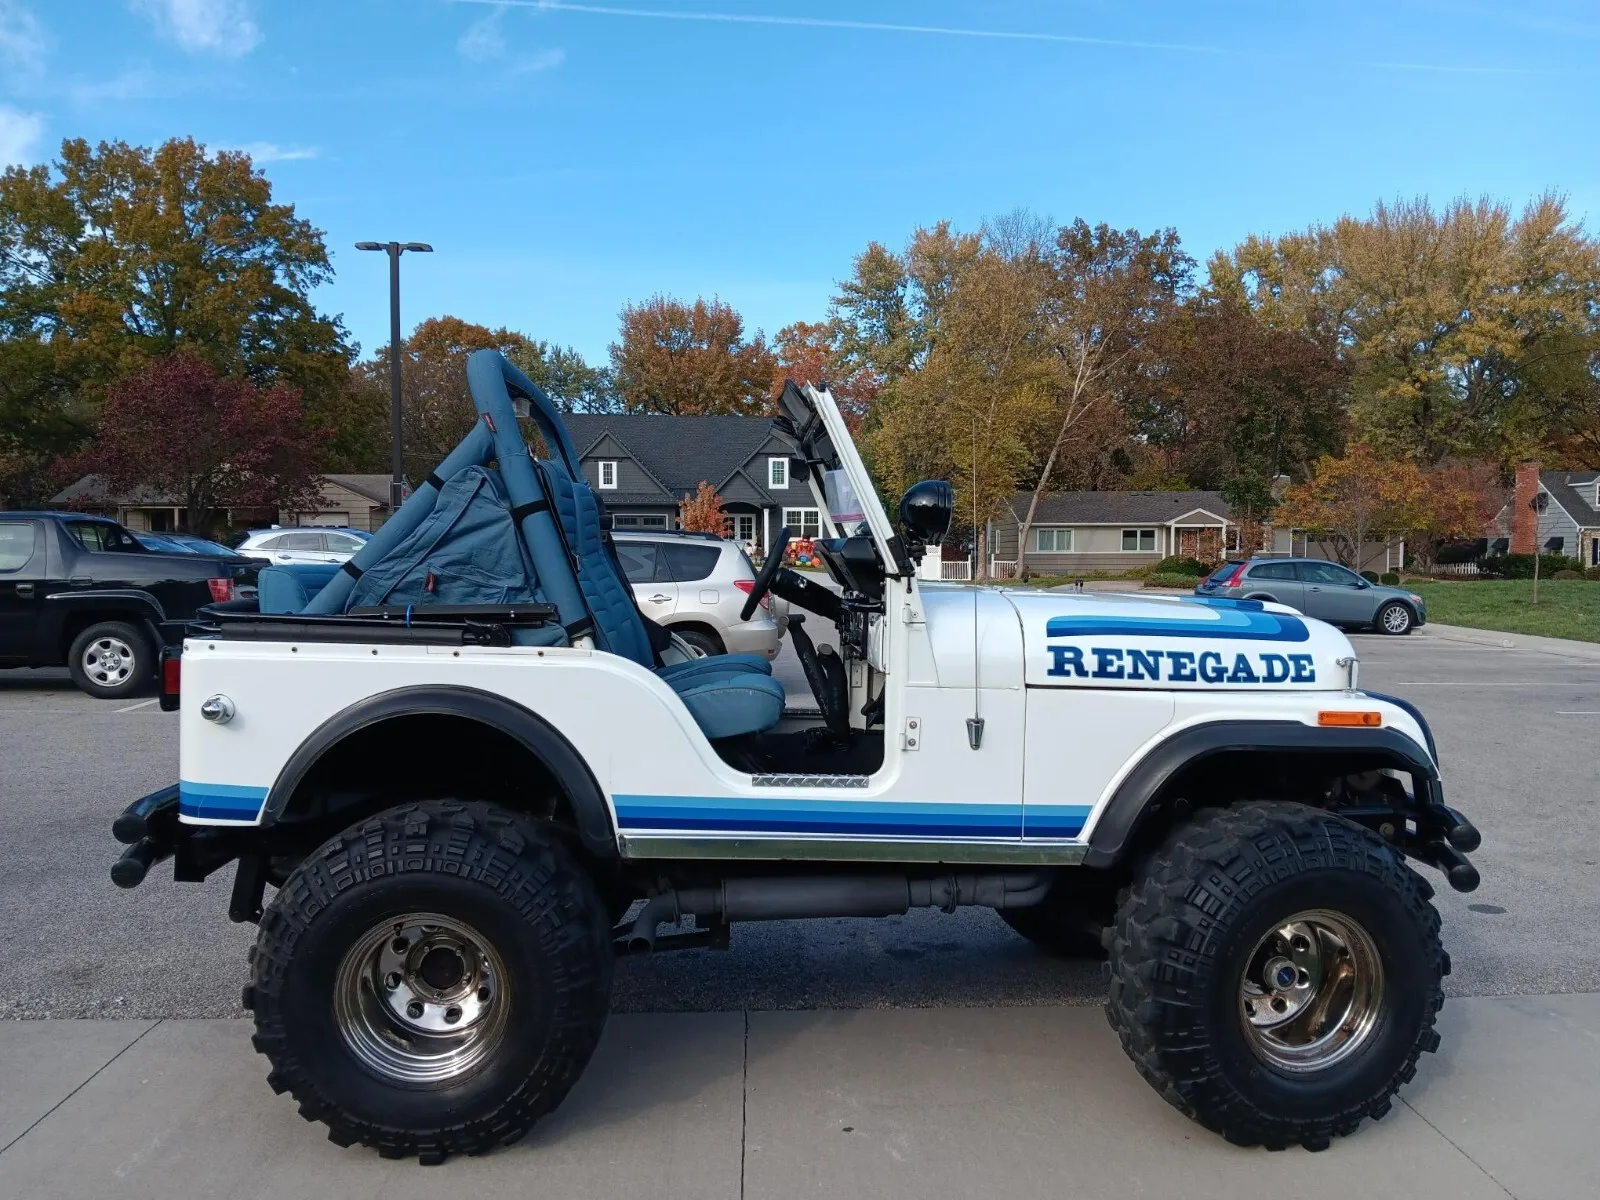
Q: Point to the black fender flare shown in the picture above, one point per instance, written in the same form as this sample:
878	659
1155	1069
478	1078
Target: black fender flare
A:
1135	799
532	731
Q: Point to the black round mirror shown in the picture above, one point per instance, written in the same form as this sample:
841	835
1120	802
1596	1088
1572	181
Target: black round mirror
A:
925	511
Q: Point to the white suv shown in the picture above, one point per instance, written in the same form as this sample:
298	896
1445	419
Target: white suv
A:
696	583
303	545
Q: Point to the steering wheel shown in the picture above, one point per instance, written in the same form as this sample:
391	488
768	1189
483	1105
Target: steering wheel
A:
769	571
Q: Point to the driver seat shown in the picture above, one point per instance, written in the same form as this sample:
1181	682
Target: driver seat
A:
728	695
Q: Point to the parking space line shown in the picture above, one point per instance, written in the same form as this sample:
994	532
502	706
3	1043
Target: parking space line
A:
141	704
1578	712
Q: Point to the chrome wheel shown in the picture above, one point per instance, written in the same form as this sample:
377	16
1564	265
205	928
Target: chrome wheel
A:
108	661
1311	992
421	999
1396	619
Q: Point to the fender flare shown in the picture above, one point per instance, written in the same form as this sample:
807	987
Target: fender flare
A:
533	732
1134	801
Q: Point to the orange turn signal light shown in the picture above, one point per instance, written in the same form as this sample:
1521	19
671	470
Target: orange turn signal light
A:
1360	719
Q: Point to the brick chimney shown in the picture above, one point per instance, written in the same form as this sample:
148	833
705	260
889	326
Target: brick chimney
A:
1524	521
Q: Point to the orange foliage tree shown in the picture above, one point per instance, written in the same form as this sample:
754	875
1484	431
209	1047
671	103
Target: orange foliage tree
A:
703	512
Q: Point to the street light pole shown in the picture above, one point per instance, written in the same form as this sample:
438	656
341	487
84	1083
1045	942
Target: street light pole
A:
396	465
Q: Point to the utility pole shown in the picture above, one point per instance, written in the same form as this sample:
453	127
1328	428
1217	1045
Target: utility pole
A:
396	465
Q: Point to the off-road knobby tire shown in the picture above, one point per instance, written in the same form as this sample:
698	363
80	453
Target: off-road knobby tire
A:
509	877
1179	945
1069	921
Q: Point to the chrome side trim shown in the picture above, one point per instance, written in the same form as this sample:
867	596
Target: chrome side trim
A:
1031	853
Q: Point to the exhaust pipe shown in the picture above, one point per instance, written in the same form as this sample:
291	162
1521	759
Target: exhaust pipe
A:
799	897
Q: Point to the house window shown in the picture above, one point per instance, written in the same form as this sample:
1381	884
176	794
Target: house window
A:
608	474
803	522
1052	541
777	472
1142	541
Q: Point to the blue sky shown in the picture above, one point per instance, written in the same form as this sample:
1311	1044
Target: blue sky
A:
564	159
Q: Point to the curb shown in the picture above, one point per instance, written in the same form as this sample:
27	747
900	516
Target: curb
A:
1564	647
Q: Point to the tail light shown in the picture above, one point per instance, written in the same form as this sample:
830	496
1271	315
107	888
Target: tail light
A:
749	585
221	589
1235	578
171	677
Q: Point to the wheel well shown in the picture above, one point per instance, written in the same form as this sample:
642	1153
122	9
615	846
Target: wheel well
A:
421	756
1310	777
77	622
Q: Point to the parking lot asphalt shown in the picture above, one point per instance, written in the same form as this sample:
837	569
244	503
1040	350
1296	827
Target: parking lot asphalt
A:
1516	730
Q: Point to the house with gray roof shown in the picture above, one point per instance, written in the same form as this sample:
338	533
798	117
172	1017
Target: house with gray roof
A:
1570	522
352	501
643	465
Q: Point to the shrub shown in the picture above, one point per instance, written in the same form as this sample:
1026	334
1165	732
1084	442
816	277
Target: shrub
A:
1520	566
1592	573
1171	579
1567	573
1389	579
1451	553
1370	576
1176	565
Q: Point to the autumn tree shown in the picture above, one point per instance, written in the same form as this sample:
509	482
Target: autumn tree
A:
690	360
1468	330
1108	290
116	256
703	512
814	352
1352	500
178	426
564	376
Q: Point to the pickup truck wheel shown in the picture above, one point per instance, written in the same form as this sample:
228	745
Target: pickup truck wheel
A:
111	660
433	980
1276	973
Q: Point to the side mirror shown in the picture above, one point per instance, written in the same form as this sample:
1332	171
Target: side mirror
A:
925	511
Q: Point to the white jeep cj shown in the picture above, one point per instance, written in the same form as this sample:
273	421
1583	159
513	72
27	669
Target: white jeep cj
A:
474	774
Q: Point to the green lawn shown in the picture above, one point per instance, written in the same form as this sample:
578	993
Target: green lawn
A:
1567	609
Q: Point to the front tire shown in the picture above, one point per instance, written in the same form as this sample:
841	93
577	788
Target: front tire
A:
111	660
1276	973
1394	618
433	980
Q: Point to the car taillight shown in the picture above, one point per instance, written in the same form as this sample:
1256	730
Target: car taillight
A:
749	585
221	589
171	677
1235	579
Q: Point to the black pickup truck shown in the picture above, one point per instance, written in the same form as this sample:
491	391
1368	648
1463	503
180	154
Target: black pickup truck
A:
80	591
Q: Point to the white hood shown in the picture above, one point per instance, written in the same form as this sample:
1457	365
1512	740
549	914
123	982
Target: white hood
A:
1103	639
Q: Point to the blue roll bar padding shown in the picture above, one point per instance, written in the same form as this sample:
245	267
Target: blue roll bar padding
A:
491	379
475	450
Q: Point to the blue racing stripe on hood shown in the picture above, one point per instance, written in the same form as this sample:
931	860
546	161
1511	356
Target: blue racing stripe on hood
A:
1229	623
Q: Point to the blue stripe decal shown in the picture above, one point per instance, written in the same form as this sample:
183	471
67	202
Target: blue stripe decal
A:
710	814
1224	623
220	801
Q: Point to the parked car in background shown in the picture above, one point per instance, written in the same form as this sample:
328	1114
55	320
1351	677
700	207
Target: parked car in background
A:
695	584
187	543
303	545
82	592
1319	589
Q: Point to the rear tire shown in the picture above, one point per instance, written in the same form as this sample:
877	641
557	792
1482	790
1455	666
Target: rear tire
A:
433	980
1269	891
704	643
1394	618
111	660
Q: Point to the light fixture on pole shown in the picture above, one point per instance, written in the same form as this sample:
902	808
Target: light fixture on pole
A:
396	467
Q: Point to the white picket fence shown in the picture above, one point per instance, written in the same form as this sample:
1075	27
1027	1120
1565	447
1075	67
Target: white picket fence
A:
956	572
1000	568
1466	570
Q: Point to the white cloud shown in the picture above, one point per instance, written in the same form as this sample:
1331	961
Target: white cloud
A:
220	27
266	152
542	61
22	38
19	135
483	39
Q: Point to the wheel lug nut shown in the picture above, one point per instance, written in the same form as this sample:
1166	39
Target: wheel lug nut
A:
452	1014
392	980
414	1010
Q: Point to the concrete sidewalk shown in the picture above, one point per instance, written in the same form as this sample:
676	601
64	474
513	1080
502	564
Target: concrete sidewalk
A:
1565	647
884	1103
